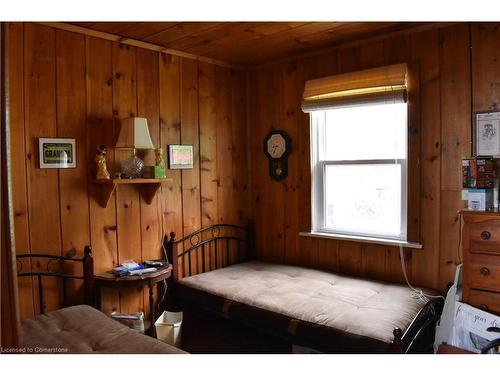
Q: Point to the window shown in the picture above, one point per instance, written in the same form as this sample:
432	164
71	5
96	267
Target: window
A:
359	157
359	171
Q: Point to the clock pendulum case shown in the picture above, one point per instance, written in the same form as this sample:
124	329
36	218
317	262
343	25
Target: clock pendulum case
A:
277	147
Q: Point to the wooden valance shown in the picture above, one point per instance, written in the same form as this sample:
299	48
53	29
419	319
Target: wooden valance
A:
383	84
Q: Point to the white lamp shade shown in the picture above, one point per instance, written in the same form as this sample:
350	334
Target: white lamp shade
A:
134	133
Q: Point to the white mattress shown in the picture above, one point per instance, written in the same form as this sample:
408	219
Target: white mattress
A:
368	308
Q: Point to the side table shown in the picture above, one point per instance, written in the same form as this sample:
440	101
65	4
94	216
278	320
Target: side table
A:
110	280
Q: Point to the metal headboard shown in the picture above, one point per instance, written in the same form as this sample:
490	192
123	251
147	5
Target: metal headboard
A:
87	276
210	242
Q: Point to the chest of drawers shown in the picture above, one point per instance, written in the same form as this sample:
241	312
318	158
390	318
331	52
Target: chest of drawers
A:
481	260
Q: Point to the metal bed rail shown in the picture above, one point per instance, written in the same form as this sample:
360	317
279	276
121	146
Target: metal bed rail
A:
87	274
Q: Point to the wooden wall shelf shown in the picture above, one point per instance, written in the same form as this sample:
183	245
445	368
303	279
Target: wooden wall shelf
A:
148	187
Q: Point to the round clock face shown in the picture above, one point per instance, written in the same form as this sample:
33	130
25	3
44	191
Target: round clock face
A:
276	146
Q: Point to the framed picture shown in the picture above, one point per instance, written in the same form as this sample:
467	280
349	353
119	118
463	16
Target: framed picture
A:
487	134
180	156
57	152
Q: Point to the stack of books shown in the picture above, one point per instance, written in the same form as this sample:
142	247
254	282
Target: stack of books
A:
129	267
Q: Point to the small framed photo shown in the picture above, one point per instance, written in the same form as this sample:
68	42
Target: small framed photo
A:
57	152
487	134
180	156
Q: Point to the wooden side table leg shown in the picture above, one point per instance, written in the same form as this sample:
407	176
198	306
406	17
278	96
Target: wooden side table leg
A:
169	298
152	308
160	290
98	297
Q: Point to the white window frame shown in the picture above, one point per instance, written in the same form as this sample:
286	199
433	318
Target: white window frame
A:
318	124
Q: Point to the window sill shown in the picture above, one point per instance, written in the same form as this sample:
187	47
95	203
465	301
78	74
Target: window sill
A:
374	240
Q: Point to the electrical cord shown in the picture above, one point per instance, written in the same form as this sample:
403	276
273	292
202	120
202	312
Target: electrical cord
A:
417	293
459	230
165	286
162	242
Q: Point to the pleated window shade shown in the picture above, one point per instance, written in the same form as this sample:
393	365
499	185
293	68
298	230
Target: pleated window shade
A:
386	84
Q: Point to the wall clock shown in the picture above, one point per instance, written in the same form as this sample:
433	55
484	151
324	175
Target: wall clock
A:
277	147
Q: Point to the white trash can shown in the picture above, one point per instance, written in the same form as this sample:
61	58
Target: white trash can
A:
168	328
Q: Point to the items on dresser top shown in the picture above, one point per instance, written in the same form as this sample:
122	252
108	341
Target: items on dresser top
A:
480	199
478	173
480	183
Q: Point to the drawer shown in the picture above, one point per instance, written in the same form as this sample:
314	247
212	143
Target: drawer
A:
482	272
484	237
487	301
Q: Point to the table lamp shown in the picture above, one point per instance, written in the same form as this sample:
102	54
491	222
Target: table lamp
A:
134	135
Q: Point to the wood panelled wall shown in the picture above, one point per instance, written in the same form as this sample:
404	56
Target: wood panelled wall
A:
459	73
69	85
64	84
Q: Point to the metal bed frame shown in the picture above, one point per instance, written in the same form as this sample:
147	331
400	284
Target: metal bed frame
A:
219	237
418	337
87	275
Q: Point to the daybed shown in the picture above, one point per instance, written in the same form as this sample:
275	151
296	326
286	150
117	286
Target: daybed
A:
317	309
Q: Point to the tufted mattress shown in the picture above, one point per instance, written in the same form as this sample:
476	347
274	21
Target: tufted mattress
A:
83	329
326	310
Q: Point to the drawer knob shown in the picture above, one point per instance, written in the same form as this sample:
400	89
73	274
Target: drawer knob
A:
485	235
484	307
484	271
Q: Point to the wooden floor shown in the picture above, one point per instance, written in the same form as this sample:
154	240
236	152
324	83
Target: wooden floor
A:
202	334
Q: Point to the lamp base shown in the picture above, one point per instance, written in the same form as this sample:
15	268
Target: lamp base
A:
132	167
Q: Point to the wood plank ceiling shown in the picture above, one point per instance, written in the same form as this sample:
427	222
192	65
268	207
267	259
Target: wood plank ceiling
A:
247	43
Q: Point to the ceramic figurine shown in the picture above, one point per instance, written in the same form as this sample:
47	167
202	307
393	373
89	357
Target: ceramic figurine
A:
160	161
159	168
100	160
